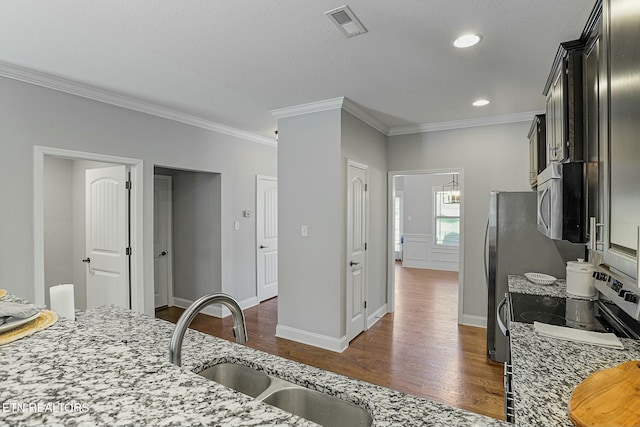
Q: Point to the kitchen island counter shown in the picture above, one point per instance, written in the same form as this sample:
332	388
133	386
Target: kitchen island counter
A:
110	368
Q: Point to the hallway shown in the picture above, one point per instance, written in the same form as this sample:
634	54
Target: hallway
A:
420	349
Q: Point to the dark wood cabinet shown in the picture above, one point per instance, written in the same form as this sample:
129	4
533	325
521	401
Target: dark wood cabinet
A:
595	121
537	149
564	109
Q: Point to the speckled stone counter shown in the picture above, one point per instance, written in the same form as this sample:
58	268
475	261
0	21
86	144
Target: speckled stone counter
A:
109	368
546	370
521	285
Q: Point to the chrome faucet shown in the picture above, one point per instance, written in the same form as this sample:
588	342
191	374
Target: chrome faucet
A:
239	325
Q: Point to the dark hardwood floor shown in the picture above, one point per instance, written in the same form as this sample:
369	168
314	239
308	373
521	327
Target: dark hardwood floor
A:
419	349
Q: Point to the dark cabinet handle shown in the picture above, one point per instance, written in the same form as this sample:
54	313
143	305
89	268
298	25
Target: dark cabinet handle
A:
353	263
87	260
263	247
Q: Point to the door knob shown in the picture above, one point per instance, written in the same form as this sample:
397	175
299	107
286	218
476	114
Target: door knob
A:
163	253
353	263
263	247
87	260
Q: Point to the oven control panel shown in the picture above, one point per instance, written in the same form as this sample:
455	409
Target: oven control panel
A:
624	296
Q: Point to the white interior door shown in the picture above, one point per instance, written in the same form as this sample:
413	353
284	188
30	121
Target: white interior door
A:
356	248
162	256
107	237
267	237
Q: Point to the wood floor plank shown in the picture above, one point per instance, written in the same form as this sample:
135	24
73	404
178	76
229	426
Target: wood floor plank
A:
419	349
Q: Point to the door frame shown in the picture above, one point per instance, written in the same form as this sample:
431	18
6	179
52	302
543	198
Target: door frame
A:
136	273
391	274
169	180
258	178
365	270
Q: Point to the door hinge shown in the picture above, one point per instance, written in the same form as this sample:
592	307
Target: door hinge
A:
128	185
365	304
365	246
128	251
366	187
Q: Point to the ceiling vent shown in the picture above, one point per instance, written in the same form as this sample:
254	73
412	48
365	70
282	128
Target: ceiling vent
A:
347	21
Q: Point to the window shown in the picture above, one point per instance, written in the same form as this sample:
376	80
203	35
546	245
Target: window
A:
447	219
397	224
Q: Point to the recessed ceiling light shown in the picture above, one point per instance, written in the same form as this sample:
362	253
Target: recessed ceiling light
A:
480	102
467	40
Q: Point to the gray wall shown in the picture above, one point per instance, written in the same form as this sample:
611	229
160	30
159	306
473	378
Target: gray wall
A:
196	234
312	159
58	223
309	193
363	144
417	202
31	115
493	158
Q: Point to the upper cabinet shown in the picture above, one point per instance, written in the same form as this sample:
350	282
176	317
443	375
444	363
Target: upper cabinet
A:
537	149
564	105
595	122
622	175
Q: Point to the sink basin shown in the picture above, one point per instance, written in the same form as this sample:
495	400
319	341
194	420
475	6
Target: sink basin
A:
238	377
319	407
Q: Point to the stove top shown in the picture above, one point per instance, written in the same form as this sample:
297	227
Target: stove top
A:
527	308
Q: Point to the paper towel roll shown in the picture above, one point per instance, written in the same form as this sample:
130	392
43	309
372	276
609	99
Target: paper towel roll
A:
62	302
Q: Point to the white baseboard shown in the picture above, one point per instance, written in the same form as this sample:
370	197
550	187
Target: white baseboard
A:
376	315
337	345
471	320
216	310
430	265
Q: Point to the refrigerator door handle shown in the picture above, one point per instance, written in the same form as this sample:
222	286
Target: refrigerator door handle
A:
486	261
498	317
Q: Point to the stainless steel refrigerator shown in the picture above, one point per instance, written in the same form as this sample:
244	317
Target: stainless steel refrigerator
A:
513	245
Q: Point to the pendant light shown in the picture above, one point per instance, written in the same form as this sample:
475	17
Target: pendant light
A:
451	191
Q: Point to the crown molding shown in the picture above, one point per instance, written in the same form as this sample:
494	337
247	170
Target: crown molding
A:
311	107
331	104
26	75
358	112
467	123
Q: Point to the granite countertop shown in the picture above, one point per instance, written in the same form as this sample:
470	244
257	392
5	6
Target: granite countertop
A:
546	370
109	367
521	285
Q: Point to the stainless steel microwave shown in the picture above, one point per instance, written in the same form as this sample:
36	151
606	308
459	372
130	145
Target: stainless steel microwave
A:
561	202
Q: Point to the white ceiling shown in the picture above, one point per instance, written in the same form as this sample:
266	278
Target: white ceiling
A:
233	61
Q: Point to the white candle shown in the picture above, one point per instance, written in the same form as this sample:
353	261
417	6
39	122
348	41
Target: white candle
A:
62	301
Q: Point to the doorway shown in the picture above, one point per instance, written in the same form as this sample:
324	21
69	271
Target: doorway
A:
431	221
188	231
46	239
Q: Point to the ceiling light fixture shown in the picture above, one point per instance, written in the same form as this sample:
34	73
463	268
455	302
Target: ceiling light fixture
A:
467	40
451	191
346	20
480	102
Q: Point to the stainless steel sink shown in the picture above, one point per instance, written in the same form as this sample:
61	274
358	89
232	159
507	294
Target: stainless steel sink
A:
319	407
239	377
313	405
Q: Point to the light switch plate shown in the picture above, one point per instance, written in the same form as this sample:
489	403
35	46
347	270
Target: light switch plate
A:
304	231
236	225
